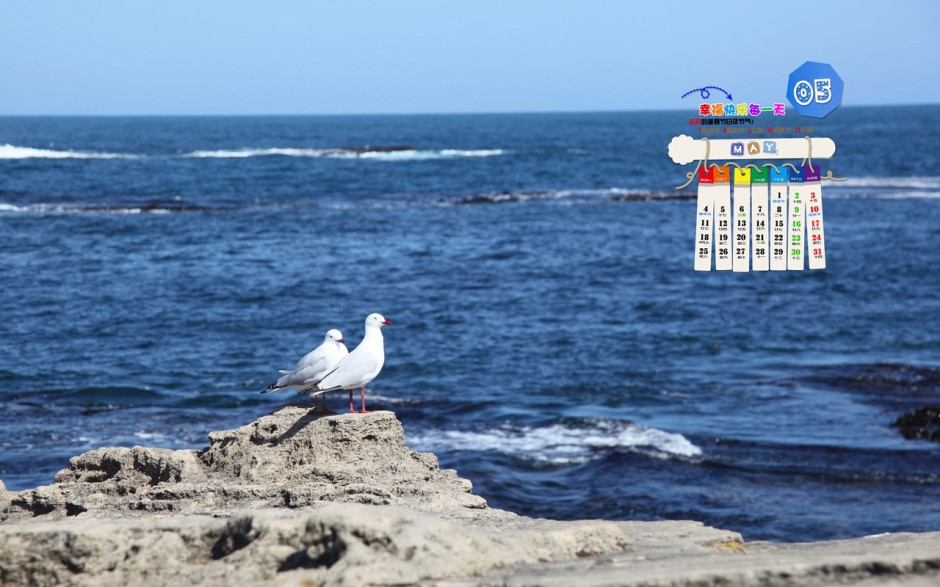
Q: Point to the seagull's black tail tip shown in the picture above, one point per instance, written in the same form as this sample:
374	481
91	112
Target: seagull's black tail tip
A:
270	388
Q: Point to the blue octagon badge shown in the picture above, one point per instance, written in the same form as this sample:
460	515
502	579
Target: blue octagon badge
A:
815	89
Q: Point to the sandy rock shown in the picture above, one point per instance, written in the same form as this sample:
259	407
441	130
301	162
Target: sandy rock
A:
132	467
341	544
293	458
350	457
298	499
910	560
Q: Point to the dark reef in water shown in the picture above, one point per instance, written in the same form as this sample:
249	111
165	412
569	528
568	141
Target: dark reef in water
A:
388	149
507	196
920	424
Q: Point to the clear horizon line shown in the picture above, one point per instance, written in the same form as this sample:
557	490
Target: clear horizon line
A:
441	113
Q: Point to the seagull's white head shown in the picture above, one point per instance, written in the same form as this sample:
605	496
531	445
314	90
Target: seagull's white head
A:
377	321
334	335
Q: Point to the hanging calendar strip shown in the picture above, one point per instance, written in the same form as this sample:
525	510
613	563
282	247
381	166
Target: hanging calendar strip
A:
759	208
742	212
761	217
816	253
722	191
705	211
795	225
778	219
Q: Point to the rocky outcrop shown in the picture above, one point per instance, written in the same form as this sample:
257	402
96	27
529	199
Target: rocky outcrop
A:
299	499
389	149
923	423
292	458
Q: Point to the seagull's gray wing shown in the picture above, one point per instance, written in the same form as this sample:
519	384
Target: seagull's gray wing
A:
348	373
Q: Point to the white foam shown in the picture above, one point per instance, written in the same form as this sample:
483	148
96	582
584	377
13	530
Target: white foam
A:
9	151
913	182
562	194
34	208
561	444
881	193
242	153
377	397
403	155
377	155
471	153
414	154
602	192
67	209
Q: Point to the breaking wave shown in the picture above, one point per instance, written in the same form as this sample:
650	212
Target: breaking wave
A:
9	151
242	153
561	444
913	182
149	208
393	153
885	188
376	153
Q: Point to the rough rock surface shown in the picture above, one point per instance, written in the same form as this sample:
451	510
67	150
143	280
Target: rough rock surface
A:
340	544
291	458
298	499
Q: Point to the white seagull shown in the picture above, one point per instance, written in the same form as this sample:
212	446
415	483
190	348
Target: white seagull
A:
311	369
359	367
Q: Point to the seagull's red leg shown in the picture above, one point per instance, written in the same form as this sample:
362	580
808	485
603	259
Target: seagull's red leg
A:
325	409
351	408
363	396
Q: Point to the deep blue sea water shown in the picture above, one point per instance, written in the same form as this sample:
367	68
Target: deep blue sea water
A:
551	340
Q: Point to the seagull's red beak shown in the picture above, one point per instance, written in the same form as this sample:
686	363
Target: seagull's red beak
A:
388	323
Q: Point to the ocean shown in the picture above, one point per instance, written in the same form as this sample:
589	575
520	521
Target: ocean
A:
551	341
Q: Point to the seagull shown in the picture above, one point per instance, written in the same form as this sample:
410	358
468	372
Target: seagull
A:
314	366
359	367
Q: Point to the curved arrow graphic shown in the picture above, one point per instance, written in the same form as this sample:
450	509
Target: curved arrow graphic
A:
705	93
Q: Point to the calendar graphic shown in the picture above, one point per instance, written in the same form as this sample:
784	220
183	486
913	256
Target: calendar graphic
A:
759	216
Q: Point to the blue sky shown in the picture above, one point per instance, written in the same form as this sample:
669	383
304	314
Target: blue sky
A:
311	57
